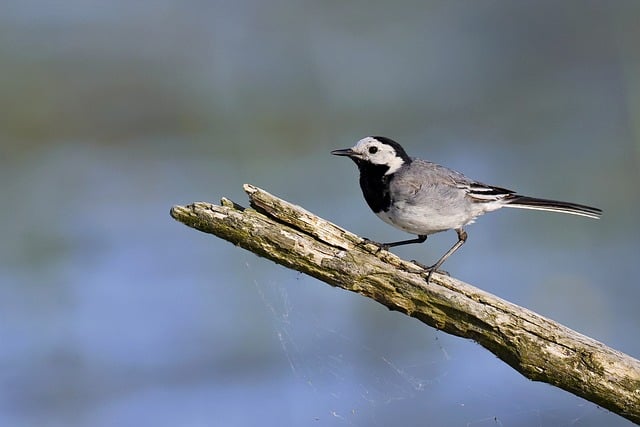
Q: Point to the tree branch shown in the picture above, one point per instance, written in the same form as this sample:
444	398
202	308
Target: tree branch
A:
538	348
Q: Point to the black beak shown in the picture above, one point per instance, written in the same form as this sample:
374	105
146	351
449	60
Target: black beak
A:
345	152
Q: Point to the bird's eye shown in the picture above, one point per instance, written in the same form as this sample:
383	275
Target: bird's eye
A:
373	150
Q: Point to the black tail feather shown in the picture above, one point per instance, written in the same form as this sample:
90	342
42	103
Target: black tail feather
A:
524	202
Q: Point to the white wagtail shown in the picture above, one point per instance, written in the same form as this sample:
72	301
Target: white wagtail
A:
424	198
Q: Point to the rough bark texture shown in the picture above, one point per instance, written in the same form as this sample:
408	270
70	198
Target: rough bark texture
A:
538	348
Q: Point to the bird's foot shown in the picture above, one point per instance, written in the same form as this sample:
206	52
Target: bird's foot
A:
430	270
381	246
419	264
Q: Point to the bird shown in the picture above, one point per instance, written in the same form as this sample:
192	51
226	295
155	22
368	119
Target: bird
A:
422	198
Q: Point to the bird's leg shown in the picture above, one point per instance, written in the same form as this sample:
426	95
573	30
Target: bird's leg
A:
386	246
462	237
419	239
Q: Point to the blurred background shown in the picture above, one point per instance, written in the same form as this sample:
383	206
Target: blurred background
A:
113	314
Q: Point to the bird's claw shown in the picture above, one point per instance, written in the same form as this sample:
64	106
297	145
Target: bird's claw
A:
419	264
430	270
381	246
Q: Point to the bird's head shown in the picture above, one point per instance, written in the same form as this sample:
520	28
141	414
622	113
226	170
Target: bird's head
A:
376	151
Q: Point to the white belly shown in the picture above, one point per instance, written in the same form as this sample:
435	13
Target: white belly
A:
424	220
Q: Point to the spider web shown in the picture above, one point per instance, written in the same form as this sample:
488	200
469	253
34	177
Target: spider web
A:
336	371
326	361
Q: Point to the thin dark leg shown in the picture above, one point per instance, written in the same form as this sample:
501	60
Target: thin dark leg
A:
418	239
462	237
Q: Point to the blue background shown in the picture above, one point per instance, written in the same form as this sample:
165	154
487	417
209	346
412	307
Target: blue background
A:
111	313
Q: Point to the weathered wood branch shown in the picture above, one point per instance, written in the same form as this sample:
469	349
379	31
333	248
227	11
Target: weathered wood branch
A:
538	348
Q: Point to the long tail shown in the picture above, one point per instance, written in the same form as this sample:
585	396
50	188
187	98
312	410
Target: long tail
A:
524	202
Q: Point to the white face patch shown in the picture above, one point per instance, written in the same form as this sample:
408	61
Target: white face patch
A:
375	152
